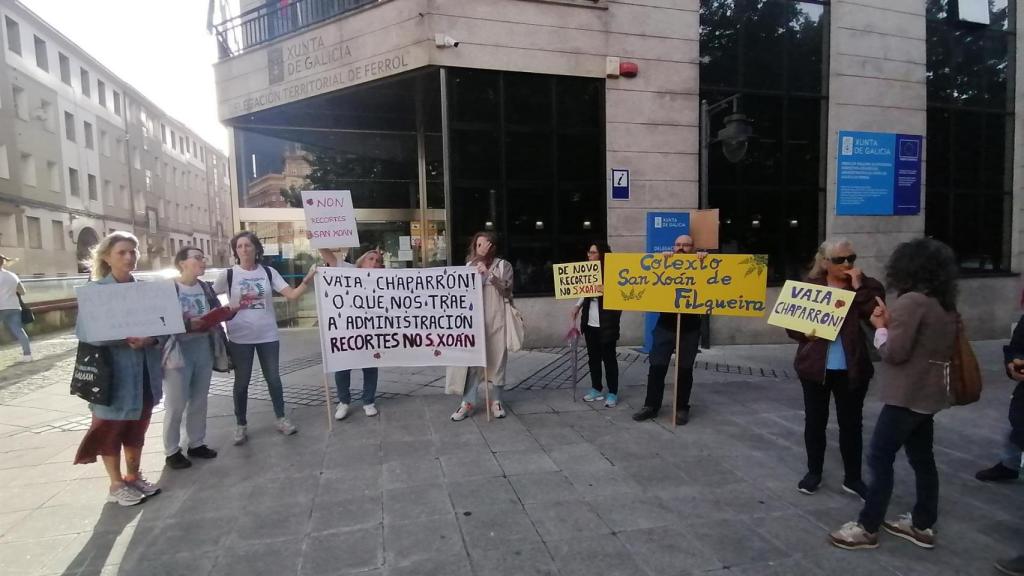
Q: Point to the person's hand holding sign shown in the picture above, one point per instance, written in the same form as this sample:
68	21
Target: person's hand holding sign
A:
880	317
1015	369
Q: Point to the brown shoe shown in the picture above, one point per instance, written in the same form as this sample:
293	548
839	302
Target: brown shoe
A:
904	528
853	536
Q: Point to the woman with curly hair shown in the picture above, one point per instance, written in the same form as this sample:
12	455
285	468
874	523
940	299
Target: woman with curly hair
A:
915	339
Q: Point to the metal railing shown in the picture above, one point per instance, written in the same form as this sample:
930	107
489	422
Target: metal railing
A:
266	23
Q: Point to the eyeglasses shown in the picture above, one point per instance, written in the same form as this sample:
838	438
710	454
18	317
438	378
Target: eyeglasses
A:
199	258
837	260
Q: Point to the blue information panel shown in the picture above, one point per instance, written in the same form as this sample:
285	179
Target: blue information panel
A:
662	230
620	184
878	174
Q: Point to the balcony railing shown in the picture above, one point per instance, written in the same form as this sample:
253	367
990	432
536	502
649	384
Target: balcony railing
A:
266	23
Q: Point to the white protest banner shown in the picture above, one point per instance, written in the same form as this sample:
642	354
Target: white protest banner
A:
400	317
330	218
117	311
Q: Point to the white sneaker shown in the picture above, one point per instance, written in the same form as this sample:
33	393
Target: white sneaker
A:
24	359
284	426
464	410
497	410
370	409
143	486
240	436
125	496
341	412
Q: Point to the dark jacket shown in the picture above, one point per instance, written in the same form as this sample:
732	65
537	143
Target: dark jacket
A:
609	320
1015	350
812	355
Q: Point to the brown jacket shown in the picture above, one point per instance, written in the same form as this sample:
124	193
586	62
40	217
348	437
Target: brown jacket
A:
920	343
812	355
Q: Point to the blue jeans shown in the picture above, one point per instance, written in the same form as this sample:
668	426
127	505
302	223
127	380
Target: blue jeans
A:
270	355
186	390
343	380
12	319
902	428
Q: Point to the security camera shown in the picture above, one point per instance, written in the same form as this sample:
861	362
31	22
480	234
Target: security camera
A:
445	41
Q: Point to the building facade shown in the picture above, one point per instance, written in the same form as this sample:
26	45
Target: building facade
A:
83	153
446	117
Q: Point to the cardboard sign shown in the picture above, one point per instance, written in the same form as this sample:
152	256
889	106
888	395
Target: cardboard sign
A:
721	284
330	218
578	280
118	311
400	317
811	309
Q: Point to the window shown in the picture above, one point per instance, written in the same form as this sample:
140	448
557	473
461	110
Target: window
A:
167	172
93	192
28	169
19	225
69	126
73	182
117	103
149	181
49	118
123	194
35	232
140	202
770	53
89	143
86	83
57	228
108	192
42	60
105	143
122	151
163	133
65	68
53	169
101	92
13	35
181	145
970	85
5	167
20	102
136	159
174	141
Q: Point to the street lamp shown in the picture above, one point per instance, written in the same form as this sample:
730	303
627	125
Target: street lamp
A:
735	138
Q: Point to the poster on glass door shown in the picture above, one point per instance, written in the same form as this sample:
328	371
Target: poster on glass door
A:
330	219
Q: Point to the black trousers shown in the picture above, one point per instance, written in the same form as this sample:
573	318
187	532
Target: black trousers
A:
897	428
849	413
661	354
598	354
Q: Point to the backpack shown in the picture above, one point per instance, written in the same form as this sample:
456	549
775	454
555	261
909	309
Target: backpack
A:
963	382
270	278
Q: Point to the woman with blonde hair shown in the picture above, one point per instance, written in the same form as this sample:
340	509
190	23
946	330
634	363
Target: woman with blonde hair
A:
134	389
840	369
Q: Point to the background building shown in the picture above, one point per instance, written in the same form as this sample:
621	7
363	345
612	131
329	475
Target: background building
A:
83	153
445	117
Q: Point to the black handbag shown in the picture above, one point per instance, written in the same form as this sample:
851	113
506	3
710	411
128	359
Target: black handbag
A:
92	378
27	317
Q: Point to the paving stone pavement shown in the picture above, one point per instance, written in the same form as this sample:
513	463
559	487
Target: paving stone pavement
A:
557	487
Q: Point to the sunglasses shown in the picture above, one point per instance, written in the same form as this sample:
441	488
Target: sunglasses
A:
837	260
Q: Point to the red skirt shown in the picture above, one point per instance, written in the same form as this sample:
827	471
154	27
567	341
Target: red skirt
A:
106	437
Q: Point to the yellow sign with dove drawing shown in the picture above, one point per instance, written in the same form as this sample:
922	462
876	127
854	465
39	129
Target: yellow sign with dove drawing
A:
720	284
812	309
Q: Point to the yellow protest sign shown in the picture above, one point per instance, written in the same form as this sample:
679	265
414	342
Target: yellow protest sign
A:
810	308
721	284
577	279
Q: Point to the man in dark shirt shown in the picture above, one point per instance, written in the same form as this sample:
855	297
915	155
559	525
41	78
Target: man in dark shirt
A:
661	353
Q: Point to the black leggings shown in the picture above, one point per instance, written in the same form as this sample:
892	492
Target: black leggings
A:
601	353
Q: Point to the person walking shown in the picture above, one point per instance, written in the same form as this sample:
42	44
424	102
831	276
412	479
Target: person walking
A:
600	329
343	378
10	308
915	339
497	276
135	387
1008	467
253	330
187	382
664	345
840	369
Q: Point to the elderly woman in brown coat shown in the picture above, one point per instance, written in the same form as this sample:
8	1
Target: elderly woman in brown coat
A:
915	339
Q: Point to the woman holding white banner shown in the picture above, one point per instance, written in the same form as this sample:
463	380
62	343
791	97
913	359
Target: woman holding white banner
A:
497	279
343	378
135	386
253	330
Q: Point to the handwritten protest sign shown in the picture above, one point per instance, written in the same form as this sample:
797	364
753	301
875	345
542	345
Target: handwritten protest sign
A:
721	284
811	309
577	279
400	317
117	311
330	218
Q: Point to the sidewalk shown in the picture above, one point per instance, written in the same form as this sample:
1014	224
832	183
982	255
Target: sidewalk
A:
558	487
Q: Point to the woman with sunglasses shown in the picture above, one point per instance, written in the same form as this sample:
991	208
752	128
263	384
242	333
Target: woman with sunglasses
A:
841	369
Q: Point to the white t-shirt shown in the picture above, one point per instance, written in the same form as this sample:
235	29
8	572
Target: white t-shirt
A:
594	316
9	290
193	304
253	293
